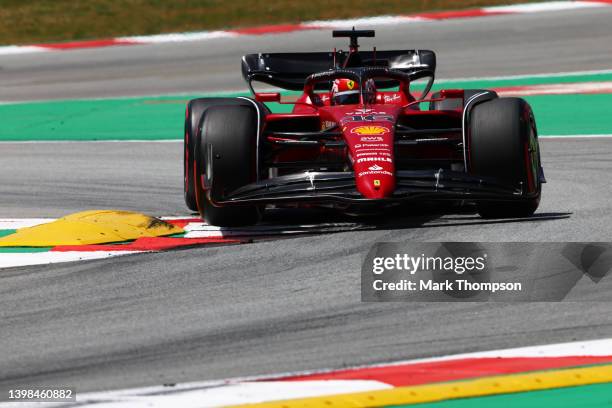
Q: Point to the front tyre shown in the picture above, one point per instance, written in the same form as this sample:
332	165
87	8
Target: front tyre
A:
230	133
503	144
193	118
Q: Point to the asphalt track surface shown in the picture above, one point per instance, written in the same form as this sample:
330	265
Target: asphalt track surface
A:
283	305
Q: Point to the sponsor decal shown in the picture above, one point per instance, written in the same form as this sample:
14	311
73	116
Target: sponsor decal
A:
371	139
384	152
362	111
376	158
373	146
328	124
365	111
368	118
375	167
377	152
392	98
377	172
370	130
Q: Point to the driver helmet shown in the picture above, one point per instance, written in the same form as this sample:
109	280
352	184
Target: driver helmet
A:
344	92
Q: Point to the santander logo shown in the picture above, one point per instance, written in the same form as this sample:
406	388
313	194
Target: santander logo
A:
375	167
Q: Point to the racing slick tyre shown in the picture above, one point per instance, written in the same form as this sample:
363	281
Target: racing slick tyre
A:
226	157
193	116
503	144
454	103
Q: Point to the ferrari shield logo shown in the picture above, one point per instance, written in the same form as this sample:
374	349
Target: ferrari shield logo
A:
370	130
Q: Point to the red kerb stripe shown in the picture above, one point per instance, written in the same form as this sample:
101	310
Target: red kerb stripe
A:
148	244
443	15
451	370
86	44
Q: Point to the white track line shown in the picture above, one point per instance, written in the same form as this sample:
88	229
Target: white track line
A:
541	7
16	223
527	76
12	260
364	21
21	49
574	136
179	37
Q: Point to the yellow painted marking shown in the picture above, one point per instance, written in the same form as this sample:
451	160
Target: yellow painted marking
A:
90	227
459	389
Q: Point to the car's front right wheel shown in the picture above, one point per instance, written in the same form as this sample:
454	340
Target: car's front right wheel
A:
226	156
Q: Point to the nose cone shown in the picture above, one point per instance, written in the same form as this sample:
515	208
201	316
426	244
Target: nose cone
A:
371	148
369	136
376	187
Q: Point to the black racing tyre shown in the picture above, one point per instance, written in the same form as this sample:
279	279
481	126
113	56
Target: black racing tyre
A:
193	118
503	144
455	103
231	133
193	114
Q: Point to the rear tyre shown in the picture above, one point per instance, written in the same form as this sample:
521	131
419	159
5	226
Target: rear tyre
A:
230	133
455	103
503	144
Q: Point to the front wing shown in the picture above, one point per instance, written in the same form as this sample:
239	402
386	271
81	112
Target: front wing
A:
340	188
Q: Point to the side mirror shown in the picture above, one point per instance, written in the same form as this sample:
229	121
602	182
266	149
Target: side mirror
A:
452	93
268	97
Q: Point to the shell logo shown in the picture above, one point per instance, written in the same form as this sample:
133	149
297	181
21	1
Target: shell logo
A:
370	130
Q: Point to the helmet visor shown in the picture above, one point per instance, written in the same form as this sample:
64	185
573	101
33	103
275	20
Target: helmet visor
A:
346	98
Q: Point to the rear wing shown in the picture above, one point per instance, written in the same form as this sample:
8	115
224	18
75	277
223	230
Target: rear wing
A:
290	70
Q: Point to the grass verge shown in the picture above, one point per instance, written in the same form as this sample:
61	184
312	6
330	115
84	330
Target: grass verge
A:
40	21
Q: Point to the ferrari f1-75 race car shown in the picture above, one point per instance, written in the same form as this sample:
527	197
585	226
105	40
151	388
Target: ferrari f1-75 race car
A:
359	139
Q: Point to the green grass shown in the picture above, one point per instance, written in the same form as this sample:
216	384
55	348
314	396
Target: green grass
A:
39	21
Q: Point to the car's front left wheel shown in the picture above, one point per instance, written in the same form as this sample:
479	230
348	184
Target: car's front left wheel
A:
503	145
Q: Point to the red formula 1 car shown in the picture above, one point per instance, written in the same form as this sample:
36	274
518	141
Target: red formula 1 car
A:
358	139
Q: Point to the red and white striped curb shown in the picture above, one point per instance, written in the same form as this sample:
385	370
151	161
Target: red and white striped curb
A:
197	233
309	25
357	379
